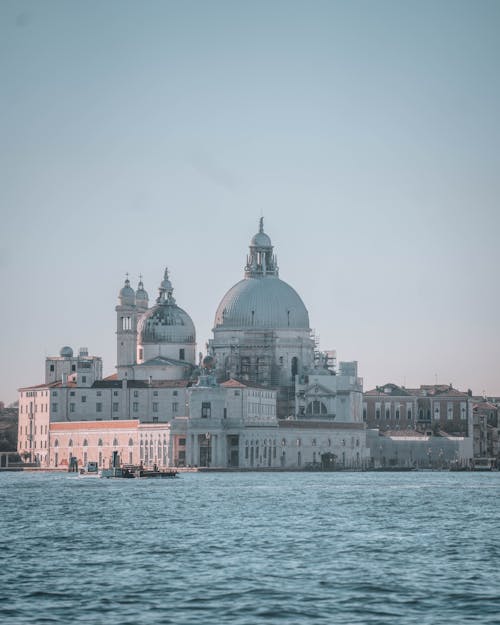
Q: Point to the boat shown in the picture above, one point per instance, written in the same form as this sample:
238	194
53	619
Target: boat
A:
127	471
89	470
116	472
156	473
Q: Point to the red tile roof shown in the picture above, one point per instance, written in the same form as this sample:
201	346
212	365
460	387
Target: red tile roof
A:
233	384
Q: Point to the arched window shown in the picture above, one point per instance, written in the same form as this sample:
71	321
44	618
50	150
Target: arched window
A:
85	442
316	407
56	443
100	442
115	442
70	444
295	366
130	442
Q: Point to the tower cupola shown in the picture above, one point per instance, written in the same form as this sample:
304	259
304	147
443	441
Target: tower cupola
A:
127	294
141	296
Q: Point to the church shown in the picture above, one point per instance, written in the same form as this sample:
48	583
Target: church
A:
263	396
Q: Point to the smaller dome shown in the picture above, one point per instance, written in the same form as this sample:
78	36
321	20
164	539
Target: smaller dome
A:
166	323
127	292
66	352
261	239
141	294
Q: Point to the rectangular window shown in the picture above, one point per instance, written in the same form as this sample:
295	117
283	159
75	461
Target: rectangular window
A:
155	393
155	419
98	407
182	442
72	407
206	410
181	354
136	406
155	406
84	379
84	398
126	323
54	407
99	393
136	393
52	367
115	393
175	407
72	393
73	367
54	393
175	393
115	406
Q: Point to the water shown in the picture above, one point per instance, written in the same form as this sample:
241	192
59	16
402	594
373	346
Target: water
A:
251	548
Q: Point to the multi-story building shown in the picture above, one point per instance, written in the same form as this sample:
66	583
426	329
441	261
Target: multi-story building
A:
429	408
430	426
485	419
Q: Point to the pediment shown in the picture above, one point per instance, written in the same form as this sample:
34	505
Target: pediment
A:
318	389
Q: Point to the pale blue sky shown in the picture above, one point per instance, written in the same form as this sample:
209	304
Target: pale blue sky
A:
142	134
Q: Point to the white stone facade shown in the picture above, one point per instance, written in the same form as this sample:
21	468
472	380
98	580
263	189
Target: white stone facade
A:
160	408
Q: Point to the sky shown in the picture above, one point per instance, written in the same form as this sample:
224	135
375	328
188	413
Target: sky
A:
139	135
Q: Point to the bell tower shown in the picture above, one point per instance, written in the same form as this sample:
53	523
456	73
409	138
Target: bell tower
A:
126	331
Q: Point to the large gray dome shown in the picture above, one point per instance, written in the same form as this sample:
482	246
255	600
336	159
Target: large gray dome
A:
264	303
166	323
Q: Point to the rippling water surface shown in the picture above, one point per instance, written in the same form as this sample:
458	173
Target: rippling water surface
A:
249	548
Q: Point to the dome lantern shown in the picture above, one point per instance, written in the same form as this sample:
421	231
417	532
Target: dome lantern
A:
261	261
165	290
